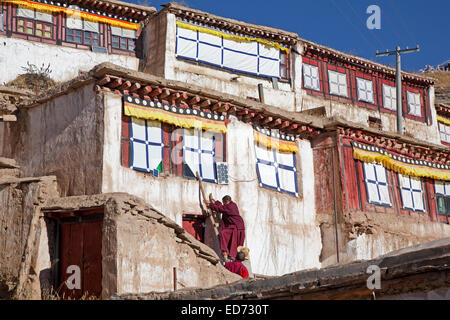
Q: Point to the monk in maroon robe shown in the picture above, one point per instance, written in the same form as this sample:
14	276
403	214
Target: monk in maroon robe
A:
237	266
232	228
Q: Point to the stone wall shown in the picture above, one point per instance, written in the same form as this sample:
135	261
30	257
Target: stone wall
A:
61	137
20	229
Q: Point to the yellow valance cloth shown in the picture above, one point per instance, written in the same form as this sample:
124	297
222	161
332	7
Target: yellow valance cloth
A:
82	14
282	145
180	117
229	36
413	168
443	120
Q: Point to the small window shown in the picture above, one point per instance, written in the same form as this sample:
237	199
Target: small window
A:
146	145
412	193
311	77
444	131
338	83
442	190
376	184
389	97
82	31
123	39
199	154
284	65
414	106
365	90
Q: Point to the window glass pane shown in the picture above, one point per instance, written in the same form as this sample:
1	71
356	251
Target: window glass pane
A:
130	45
123	43
115	42
338	83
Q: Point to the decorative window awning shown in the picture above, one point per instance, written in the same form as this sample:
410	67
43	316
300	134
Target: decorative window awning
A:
178	116
229	51
402	165
273	139
443	120
230	36
87	14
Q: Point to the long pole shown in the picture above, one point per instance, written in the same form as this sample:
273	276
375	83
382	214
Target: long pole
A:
398	80
398	84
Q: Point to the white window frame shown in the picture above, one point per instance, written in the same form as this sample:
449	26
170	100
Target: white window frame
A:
442	191
277	166
391	97
444	132
414	104
409	191
379	182
365	88
147	143
342	87
307	73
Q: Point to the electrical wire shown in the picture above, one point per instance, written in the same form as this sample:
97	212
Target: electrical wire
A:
354	27
402	22
359	17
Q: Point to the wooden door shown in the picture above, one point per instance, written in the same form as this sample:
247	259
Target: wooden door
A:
80	249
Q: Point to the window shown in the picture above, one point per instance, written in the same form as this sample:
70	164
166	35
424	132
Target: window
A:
155	147
81	31
198	154
411	192
414	106
338	83
365	90
284	65
123	39
442	190
311	77
376	184
242	56
276	170
444	131
34	23
389	97
146	142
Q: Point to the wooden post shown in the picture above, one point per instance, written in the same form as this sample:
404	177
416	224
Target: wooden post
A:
174	278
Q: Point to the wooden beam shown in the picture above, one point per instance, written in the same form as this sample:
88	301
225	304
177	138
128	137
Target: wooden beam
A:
242	112
292	127
105	80
135	86
117	82
145	90
266	120
275	123
216	106
165	93
183	97
205	103
125	85
194	100
156	92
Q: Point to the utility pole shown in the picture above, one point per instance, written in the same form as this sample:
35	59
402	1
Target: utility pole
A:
398	80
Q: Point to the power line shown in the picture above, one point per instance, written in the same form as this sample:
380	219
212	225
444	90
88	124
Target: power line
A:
402	22
359	17
354	27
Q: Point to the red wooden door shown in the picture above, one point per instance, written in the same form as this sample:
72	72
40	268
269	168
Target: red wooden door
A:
194	225
81	247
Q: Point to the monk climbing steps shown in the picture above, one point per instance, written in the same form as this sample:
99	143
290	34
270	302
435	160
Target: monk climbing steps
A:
232	228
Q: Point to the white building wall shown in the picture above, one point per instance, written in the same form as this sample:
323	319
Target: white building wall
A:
281	231
65	62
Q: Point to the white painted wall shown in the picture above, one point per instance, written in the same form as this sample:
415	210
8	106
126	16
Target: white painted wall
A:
281	230
65	62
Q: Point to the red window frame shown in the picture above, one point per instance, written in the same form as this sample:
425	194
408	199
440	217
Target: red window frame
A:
83	36
130	43
27	22
285	65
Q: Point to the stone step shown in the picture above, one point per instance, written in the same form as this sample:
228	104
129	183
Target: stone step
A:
8	163
9	172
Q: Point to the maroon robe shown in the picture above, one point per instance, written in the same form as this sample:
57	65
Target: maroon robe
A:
232	228
238	268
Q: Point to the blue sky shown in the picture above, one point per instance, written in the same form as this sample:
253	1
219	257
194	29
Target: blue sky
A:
341	24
